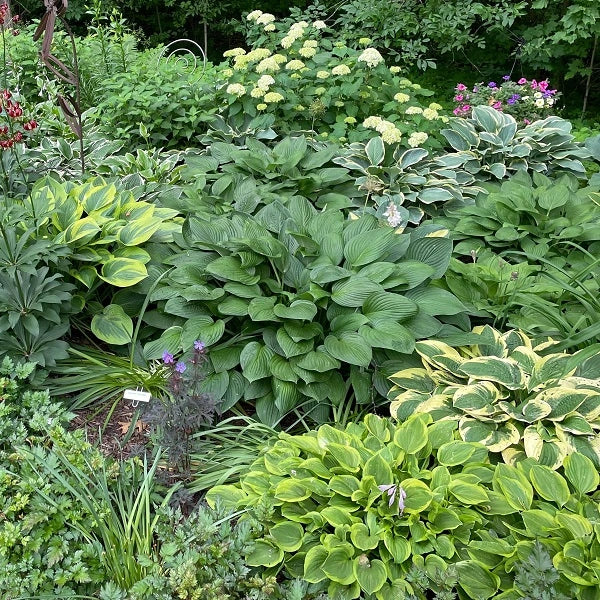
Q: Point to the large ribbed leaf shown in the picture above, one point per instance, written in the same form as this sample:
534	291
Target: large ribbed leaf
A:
369	246
349	348
354	291
433	251
388	306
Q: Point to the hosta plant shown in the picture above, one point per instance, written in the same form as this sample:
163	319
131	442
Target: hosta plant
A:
301	309
489	146
356	509
504	393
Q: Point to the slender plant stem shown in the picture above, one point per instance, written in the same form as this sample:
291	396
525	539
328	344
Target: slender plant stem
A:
589	77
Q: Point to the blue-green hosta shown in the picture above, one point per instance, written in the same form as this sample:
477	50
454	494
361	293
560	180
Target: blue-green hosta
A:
354	510
301	308
507	395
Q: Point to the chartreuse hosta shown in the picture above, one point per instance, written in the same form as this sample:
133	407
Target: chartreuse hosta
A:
329	518
506	395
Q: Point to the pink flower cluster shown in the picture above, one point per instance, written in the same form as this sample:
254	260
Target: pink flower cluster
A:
9	135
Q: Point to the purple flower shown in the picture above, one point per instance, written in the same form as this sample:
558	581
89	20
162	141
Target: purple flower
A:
199	346
547	94
392	491
167	358
475	89
511	101
180	367
492	84
506	77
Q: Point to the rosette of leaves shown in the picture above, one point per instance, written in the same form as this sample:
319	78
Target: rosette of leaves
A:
534	214
408	179
249	173
506	395
329	517
489	146
301	308
105	229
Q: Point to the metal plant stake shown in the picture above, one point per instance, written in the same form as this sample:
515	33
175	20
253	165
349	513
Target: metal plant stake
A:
71	107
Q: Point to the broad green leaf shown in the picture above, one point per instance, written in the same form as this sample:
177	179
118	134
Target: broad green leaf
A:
397	546
299	309
361	538
455	453
81	232
313	562
411	435
549	484
264	554
370	574
581	472
435	301
476	581
228	268
287	535
338	567
254	360
388	306
226	496
492	368
433	251
514	485
291	490
375	150
319	361
170	340
113	325
379	468
354	291
418	495
369	246
349	348
467	493
139	231
123	272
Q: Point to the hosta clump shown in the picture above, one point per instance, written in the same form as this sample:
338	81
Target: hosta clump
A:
535	214
357	510
489	146
301	308
405	183
507	395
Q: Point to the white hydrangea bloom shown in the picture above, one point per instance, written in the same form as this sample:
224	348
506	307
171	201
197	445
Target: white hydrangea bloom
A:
287	41
310	44
417	139
414	110
391	135
265	19
384	126
430	114
254	15
401	98
271	97
265	81
395	69
341	70
435	106
267	64
261	106
322	74
371	57
350	120
307	52
270	27
258	54
236	89
258	92
294	65
319	24
279	58
372	122
234	52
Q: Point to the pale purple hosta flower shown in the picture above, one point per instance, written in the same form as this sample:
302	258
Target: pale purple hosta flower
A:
393	216
394	492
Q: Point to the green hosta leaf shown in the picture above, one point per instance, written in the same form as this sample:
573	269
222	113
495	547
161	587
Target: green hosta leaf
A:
581	472
197	329
347	456
287	535
397	546
344	485
435	301
291	490
226	496
81	232
371	575
299	309
467	493
170	340
354	291
411	436
286	393
318	361
338	567
549	368
328	273
538	522
113	325
388	306
418	495
361	538
290	347
123	272
98	197
139	231
495	438
254	360
549	484
455	453
476	581
379	468
580	527
562	400
264	554
390	335
514	485
501	370
313	562
535	410
261	309
369	246
433	251
228	268
282	369
375	150
349	348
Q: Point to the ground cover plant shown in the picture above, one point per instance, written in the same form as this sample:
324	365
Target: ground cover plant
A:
265	252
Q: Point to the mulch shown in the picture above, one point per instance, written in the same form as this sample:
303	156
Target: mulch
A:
111	432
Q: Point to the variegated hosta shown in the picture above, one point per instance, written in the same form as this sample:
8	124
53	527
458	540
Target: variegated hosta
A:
507	395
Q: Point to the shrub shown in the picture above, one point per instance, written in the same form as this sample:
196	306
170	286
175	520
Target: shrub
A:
301	309
354	510
506	395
